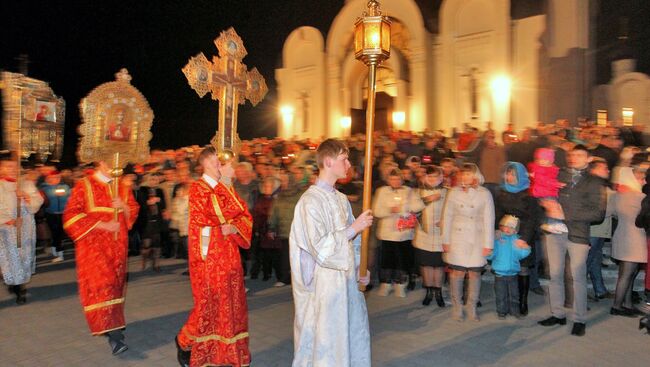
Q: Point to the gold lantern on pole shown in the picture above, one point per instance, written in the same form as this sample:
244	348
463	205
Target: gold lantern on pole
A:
372	46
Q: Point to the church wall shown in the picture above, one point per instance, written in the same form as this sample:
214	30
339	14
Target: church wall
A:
566	71
631	90
302	80
526	35
474	49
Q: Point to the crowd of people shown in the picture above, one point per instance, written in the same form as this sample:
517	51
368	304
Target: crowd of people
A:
541	202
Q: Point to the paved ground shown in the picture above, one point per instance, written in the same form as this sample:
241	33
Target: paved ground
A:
51	331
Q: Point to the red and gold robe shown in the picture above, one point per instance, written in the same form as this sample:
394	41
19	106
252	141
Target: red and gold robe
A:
217	329
101	260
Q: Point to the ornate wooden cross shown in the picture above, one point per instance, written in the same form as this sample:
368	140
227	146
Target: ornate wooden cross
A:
229	81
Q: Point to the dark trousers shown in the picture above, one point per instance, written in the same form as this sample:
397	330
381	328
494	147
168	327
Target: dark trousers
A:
182	247
255	256
285	266
396	258
55	222
506	294
271	262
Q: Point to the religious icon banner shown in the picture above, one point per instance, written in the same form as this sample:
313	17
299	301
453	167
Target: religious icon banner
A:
116	119
34	117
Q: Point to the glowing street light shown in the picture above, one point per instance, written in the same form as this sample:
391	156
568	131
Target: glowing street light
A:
399	117
500	86
346	122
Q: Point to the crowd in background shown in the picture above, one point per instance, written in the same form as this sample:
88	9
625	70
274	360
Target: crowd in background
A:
425	230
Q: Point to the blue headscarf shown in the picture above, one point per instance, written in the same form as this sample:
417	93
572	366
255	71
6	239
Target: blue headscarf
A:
523	183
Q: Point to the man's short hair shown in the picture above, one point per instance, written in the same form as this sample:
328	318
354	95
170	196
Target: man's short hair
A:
581	147
330	148
596	161
206	153
246	166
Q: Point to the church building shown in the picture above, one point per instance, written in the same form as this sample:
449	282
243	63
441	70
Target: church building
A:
452	62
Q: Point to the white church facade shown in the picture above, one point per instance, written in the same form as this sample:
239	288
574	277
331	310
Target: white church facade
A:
452	62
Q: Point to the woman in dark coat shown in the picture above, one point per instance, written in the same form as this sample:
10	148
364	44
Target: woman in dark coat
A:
512	198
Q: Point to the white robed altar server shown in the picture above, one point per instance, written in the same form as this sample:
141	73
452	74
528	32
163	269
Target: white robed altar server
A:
331	319
17	262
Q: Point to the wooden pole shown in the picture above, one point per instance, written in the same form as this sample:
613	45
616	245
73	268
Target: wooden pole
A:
18	152
116	173
367	169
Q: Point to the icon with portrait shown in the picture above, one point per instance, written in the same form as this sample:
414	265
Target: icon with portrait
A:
118	126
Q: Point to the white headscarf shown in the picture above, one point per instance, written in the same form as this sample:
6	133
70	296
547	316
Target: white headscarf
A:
627	178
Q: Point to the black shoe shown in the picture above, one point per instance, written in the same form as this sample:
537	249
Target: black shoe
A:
551	321
501	316
479	304
186	272
645	323
538	291
622	312
608	295
634	310
183	356
369	287
21	294
437	292
636	297
578	329
428	297
117	346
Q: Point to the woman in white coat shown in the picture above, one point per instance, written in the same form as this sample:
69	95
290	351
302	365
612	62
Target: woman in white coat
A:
394	206
467	237
629	245
427	241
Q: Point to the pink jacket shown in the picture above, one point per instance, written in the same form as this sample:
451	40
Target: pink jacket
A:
543	180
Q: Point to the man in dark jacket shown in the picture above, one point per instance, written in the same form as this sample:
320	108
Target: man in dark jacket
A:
581	201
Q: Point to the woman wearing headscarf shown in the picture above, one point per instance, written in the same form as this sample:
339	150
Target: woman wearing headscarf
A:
513	198
629	241
427	241
467	237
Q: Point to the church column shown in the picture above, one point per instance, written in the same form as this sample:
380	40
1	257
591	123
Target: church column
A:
417	114
568	81
334	98
402	102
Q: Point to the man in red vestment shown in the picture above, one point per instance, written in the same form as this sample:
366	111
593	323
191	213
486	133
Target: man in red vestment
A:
216	332
101	251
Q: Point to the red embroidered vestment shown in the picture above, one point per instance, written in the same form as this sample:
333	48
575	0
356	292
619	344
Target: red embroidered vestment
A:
101	259
217	328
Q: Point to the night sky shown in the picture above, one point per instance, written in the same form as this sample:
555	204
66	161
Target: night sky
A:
77	45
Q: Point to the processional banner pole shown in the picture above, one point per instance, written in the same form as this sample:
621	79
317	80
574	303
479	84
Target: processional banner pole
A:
372	46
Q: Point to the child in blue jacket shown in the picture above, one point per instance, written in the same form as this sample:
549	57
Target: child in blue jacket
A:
505	264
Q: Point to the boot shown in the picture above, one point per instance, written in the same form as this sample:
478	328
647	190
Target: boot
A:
400	290
428	297
116	342
154	259
384	289
456	290
21	294
473	291
183	356
524	285
411	285
437	292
